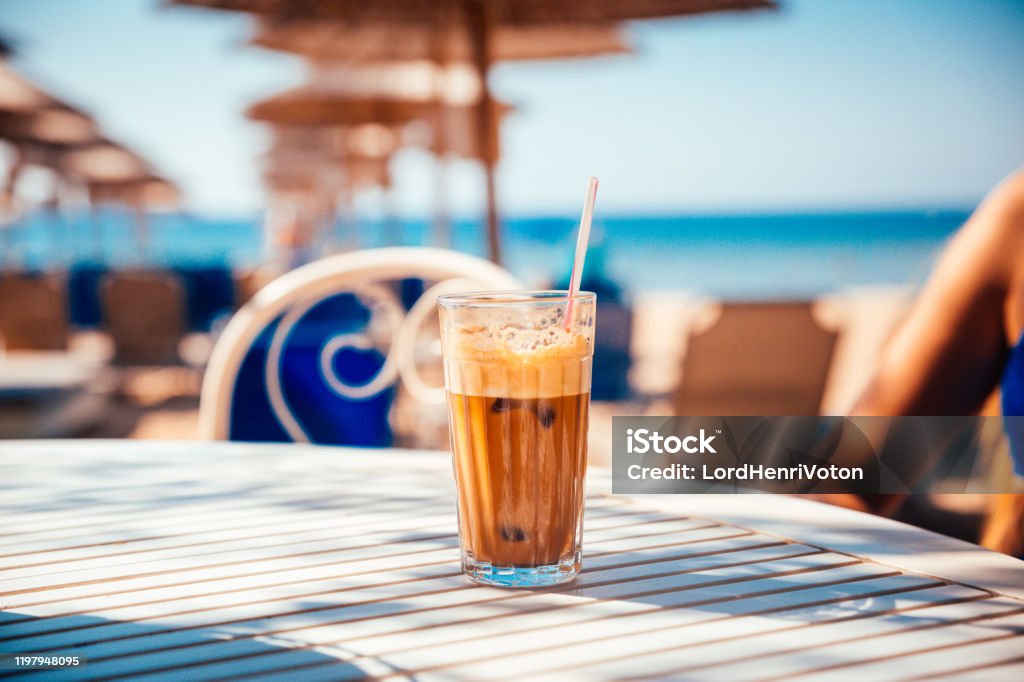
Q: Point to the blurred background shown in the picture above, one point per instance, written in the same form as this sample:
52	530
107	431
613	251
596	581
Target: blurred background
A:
776	181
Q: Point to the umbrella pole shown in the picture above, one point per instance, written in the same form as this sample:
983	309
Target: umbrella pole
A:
317	226
480	24
442	217
142	233
349	226
325	226
5	228
59	253
442	237
97	233
392	222
7	205
493	237
331	225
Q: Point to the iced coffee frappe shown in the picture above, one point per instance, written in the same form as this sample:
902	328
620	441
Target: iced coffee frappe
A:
518	382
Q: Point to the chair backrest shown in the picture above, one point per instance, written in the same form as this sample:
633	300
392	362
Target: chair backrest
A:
316	354
84	284
145	314
209	294
33	313
614	334
758	359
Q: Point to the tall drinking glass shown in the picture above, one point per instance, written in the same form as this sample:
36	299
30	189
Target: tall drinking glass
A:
518	382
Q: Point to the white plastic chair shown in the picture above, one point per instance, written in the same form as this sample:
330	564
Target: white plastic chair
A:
291	295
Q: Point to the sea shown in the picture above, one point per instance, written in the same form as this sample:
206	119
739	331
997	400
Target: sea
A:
743	256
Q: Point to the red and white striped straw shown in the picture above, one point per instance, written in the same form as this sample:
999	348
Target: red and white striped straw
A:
582	239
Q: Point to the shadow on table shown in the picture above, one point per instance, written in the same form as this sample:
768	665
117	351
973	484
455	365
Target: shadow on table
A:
905	538
232	650
174	663
797	605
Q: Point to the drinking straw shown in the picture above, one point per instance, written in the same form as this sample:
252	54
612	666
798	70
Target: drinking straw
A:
581	248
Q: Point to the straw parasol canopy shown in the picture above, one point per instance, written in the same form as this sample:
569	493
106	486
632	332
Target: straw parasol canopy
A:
370	139
310	183
143	193
318	170
349	139
418	58
507	13
326	126
321	164
146	192
429	60
314	170
51	125
358	155
104	162
30	115
39	127
352	95
329	41
306	107
480	20
113	174
50	132
357	109
322	180
46	131
19	95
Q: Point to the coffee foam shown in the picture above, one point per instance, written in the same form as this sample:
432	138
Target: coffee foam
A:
504	360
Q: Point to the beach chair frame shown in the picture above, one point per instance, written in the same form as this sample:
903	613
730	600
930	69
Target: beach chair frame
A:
290	294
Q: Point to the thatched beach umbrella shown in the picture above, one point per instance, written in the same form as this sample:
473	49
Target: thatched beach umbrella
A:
352	155
144	192
314	107
329	41
39	127
480	20
113	174
321	168
17	94
104	162
446	58
506	13
366	111
318	172
370	139
359	99
141	195
45	131
304	108
307	193
441	61
42	137
52	124
30	115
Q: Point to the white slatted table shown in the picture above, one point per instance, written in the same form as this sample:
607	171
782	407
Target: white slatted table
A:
233	561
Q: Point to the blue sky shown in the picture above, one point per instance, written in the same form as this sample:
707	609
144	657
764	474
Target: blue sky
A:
826	104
